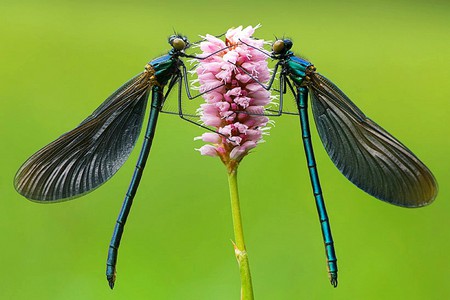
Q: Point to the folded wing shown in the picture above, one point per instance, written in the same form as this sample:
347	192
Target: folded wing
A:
365	153
87	156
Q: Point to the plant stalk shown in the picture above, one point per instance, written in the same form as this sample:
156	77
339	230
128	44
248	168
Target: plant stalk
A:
239	244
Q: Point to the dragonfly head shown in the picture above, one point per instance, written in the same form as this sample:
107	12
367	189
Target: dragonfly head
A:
281	46
179	42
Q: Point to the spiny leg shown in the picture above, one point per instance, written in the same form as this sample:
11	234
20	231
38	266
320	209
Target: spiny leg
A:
184	116
207	56
272	78
186	85
202	40
256	48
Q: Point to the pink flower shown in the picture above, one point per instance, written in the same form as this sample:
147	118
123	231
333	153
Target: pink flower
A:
236	108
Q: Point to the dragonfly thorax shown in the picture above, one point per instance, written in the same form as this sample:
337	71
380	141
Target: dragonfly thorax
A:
163	68
298	69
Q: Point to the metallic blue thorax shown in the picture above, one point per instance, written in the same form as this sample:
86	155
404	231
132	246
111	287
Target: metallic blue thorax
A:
296	68
165	67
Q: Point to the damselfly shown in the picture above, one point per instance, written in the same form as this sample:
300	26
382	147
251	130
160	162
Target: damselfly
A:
363	152
84	158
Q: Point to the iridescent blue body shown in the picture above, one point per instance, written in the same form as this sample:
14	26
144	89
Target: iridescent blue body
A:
159	72
155	107
164	67
84	158
364	153
302	102
296	69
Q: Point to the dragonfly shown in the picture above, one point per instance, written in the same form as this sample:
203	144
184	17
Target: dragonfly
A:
365	153
84	158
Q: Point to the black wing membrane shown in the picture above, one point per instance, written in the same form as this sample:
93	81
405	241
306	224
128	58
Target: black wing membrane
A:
365	153
87	156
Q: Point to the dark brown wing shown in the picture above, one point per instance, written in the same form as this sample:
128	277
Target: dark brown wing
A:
365	153
87	156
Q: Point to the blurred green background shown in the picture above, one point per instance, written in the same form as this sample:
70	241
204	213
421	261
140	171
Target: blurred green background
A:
60	59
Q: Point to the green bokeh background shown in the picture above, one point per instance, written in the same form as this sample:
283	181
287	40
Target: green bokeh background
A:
60	59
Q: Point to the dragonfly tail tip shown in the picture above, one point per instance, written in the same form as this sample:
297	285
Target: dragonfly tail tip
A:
111	281
334	282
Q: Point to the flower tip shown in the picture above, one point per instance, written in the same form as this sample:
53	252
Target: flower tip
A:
208	150
211	137
235	100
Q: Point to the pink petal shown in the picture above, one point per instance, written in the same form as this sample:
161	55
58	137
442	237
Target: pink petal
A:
241	128
208	150
226	130
211	121
233	91
223	106
242	101
211	137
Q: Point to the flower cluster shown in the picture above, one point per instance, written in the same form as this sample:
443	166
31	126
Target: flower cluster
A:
235	101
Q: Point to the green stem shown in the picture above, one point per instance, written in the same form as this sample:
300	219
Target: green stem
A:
239	245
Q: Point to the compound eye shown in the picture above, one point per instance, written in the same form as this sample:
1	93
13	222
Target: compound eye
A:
278	46
178	44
